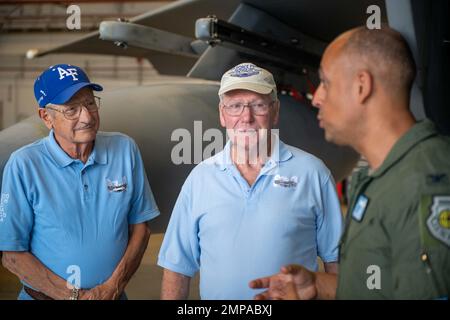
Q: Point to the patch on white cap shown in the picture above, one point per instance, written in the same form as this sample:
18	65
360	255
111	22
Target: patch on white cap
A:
244	70
248	76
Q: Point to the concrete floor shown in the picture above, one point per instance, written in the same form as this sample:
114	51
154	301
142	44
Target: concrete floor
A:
146	283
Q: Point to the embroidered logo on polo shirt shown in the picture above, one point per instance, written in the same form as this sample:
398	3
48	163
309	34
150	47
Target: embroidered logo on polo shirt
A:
3	201
116	185
286	182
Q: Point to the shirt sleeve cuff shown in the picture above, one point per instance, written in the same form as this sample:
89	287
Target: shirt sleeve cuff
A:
144	216
18	245
329	258
176	268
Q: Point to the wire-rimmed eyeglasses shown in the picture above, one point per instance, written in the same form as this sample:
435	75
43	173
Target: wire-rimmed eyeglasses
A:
259	108
73	111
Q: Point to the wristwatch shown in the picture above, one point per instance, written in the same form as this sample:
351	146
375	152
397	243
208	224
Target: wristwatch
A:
75	293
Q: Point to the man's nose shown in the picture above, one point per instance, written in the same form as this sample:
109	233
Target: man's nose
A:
85	115
317	99
247	113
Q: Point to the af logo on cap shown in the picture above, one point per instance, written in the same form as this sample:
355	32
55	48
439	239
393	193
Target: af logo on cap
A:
59	83
69	72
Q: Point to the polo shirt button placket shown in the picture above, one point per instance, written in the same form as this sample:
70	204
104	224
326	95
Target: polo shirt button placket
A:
84	183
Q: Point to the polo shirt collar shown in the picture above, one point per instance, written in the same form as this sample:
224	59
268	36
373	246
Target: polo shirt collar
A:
56	152
98	155
419	132
224	158
280	153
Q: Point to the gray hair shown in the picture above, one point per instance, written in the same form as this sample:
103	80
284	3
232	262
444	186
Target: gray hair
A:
273	96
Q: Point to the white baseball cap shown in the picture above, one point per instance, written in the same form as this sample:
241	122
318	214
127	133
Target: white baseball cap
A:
248	76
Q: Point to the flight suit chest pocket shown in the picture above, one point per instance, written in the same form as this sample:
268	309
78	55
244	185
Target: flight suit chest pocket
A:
365	228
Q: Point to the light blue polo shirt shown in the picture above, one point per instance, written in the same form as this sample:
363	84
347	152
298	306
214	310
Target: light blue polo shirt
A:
74	216
233	233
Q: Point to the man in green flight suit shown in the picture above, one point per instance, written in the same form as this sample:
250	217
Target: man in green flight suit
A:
396	243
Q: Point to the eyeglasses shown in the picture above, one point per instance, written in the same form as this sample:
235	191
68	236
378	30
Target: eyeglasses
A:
73	111
258	108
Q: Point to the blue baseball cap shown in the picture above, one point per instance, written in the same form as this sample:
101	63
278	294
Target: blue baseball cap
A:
59	83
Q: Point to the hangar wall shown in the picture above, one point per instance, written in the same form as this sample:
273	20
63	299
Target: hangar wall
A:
43	26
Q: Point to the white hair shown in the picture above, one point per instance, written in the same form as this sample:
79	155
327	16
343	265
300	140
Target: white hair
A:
273	96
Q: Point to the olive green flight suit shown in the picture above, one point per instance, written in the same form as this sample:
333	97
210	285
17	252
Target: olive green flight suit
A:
396	243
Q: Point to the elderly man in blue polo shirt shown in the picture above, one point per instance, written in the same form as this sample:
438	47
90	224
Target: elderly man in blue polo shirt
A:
75	204
238	216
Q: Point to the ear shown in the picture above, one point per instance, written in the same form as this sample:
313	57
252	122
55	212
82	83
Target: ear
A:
276	113
46	117
222	119
364	86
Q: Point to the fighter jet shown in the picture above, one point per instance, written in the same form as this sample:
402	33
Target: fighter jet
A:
196	41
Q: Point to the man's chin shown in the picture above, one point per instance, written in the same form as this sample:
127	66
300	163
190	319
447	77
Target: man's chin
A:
85	136
328	137
334	139
247	146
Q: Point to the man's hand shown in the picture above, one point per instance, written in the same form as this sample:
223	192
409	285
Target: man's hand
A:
105	291
293	282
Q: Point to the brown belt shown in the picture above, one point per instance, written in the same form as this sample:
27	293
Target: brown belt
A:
36	295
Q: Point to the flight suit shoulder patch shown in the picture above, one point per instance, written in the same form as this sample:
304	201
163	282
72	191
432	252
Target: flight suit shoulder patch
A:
435	219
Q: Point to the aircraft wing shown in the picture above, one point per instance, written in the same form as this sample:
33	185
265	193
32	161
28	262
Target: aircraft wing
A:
178	17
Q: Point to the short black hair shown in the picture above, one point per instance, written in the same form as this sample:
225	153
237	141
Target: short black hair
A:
387	51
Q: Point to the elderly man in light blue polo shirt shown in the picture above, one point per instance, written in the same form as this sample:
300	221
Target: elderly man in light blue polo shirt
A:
75	204
244	213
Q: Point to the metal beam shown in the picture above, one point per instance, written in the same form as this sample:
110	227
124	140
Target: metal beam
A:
126	34
222	33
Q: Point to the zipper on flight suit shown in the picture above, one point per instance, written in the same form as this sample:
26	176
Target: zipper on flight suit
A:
424	257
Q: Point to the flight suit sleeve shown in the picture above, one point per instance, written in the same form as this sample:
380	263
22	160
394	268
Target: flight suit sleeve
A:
16	212
329	223
180	250
434	223
420	260
143	204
